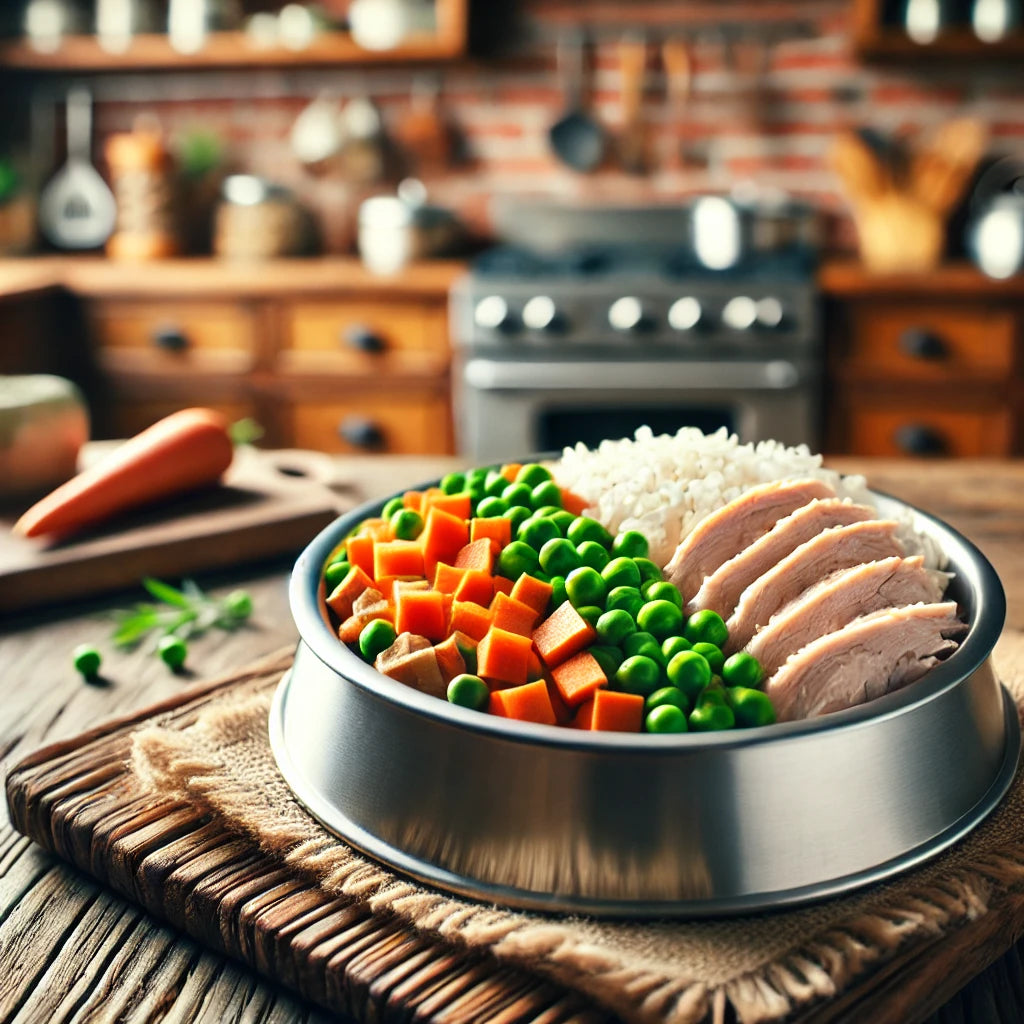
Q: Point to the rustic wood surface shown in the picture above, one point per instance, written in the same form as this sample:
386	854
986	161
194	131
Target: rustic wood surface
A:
71	949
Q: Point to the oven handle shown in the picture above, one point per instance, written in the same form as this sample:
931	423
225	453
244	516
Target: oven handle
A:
508	375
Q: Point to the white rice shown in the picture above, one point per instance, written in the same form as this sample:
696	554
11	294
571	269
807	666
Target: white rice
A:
664	485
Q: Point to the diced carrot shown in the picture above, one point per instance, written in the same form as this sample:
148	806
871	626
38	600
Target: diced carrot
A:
534	667
477	555
573	502
584	715
497	529
421	612
378	529
413	500
502	585
510	470
470	618
503	656
563	713
344	594
475	586
349	630
526	703
457	504
494	705
444	535
447	578
397	558
449	658
578	678
360	552
617	712
513	615
536	593
562	634
386	585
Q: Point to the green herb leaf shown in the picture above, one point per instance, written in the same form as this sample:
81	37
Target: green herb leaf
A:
166	593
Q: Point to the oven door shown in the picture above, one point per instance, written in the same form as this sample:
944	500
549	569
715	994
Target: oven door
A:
507	408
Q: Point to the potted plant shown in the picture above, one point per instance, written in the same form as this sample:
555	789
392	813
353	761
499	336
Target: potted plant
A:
17	212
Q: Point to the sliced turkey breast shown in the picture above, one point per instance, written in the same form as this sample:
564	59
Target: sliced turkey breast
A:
837	548
840	598
868	657
721	590
720	535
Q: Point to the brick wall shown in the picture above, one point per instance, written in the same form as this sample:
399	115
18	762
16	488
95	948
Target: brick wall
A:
772	83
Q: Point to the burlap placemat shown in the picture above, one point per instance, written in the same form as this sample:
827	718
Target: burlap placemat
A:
761	967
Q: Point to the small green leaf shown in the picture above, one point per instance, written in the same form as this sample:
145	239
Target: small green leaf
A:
165	592
245	431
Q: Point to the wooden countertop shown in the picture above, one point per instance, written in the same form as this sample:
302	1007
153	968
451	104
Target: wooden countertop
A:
62	937
203	277
848	278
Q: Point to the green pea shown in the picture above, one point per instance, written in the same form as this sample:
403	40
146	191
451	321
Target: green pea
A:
393	506
585	528
406	524
532	474
335	573
559	557
662	590
467	649
591	553
477	492
642	642
631	544
689	672
626	598
590	612
621	572
712	655
741	669
548	510
87	660
537	532
558	594
613	627
478	476
469	691
495	483
667	695
648	570
492	508
660	618
517	494
376	636
608	657
238	605
547	493
673	645
563	519
585	585
665	718
750	707
711	718
517	515
706	627
453	483
172	651
515	559
638	674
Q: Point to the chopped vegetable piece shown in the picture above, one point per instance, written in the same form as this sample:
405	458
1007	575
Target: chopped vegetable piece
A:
497	530
511	470
469	691
562	634
413	500
360	553
87	660
398	558
447	577
513	615
455	504
376	636
572	502
534	592
335	573
443	537
563	713
470	618
477	586
421	612
584	715
173	651
578	678
665	718
502	585
503	656
534	667
344	594
526	703
476	555
617	712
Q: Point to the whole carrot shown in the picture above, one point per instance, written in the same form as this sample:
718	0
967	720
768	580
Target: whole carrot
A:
184	451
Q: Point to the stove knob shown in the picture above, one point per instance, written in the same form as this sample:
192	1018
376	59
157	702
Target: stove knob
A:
740	313
770	313
541	314
492	313
626	314
685	314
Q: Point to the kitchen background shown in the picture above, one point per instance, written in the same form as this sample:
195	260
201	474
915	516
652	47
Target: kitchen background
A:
807	110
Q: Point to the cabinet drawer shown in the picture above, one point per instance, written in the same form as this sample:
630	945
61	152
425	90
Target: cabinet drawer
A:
930	341
157	336
365	337
919	429
404	424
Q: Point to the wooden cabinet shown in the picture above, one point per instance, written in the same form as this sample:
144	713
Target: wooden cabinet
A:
923	366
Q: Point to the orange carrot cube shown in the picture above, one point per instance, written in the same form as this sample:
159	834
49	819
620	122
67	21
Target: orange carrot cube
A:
617	712
455	504
513	615
497	530
360	552
477	555
562	634
470	618
536	593
475	586
444	535
397	558
526	703
578	678
420	612
502	585
447	578
503	656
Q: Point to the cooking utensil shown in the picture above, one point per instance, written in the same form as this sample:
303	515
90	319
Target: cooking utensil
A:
632	143
675	55
576	138
424	133
77	210
646	825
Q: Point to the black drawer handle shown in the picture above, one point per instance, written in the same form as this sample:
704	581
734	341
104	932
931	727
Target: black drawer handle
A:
361	432
920	343
363	339
918	439
170	339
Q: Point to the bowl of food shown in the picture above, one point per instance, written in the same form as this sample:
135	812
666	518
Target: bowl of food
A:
672	676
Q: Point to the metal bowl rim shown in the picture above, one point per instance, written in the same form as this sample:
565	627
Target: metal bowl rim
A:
984	630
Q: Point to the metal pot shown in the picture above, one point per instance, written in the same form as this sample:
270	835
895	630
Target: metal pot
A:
697	824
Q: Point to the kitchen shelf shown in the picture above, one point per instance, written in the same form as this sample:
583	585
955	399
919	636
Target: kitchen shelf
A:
848	278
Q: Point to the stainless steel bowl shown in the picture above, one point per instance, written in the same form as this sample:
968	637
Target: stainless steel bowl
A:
614	824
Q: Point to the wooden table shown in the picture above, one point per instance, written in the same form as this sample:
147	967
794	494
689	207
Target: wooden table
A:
70	950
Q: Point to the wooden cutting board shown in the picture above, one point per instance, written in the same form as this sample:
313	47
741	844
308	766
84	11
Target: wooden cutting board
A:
271	503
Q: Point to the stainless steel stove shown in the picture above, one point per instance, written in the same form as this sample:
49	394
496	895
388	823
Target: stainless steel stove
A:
592	341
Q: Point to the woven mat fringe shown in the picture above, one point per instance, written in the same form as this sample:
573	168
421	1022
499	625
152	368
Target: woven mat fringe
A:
760	968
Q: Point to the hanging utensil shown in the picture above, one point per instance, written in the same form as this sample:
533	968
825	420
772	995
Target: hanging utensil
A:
675	55
77	210
576	138
633	135
317	135
424	133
